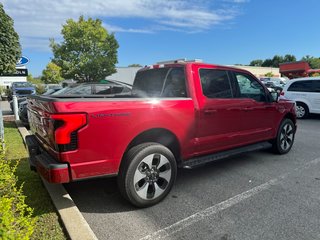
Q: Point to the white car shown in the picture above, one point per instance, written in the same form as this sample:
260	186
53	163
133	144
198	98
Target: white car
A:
306	93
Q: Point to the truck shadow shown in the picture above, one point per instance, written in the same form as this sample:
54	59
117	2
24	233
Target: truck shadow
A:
312	116
103	196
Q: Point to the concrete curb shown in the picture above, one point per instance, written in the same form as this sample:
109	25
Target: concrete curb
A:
75	224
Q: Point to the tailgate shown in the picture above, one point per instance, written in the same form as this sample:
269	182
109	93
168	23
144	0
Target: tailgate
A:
56	130
39	110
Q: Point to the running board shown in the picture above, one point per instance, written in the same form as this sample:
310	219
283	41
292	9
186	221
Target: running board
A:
197	161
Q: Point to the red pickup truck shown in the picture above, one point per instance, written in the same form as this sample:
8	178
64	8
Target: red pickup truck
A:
179	114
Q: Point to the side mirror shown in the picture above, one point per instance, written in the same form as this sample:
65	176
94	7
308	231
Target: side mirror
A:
275	96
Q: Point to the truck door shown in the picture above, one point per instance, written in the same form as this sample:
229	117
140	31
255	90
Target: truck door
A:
220	115
258	112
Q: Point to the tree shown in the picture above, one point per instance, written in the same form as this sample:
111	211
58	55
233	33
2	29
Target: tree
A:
52	73
314	63
87	53
289	58
10	49
256	63
269	74
33	80
267	63
276	60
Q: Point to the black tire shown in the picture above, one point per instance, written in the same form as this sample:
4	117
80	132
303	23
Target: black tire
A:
302	110
285	137
147	174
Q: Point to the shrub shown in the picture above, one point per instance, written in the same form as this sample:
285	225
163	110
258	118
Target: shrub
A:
16	220
40	88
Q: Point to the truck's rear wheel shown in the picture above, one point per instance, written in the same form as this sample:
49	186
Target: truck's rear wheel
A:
147	174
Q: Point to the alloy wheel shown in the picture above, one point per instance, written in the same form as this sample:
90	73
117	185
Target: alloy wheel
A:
152	176
286	137
300	111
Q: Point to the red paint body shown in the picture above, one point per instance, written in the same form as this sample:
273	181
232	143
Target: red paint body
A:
201	125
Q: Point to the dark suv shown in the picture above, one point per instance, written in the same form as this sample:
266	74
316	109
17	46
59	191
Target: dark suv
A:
21	89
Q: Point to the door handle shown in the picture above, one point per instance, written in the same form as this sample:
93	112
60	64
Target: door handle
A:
248	109
234	109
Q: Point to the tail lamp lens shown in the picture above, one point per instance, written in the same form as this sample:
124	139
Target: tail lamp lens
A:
68	123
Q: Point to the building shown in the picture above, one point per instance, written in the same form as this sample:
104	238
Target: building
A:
297	69
19	76
259	71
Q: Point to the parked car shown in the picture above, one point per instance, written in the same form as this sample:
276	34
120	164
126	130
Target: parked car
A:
105	87
65	89
23	104
21	89
274	83
52	89
306	93
179	114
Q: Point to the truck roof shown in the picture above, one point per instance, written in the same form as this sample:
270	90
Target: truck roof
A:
184	62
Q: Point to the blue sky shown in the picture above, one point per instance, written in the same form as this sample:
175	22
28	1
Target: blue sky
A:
148	31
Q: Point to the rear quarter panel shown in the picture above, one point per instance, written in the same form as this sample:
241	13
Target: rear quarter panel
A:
112	125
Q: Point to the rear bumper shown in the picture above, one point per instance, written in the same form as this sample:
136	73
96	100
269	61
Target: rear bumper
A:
44	164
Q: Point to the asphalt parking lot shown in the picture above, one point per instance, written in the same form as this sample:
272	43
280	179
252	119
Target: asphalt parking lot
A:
251	196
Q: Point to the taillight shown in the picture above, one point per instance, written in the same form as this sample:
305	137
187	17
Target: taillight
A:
66	124
282	93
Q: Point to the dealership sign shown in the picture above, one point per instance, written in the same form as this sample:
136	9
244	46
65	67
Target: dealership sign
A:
22	61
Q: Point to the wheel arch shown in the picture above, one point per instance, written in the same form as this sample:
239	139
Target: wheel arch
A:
161	136
305	103
290	116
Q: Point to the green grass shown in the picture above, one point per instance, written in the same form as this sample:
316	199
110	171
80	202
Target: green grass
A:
48	225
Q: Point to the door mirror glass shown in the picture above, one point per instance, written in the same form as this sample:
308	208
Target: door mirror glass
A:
274	96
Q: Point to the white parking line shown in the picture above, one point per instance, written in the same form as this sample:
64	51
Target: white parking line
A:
178	226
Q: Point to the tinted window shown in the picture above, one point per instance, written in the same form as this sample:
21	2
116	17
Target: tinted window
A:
301	86
103	89
81	90
249	87
215	83
316	85
22	84
160	82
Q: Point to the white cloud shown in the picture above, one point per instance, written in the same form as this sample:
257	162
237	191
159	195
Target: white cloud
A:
112	28
39	20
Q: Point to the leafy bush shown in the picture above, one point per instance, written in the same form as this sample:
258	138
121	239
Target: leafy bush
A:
40	88
16	220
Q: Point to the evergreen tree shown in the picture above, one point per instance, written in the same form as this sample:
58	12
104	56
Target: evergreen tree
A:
10	49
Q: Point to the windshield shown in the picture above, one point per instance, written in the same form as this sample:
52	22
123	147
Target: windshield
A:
21	84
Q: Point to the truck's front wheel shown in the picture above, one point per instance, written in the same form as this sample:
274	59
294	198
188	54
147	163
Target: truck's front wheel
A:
147	174
285	137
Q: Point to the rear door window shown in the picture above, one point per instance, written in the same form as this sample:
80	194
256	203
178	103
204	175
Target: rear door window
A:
215	83
160	82
301	86
317	86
